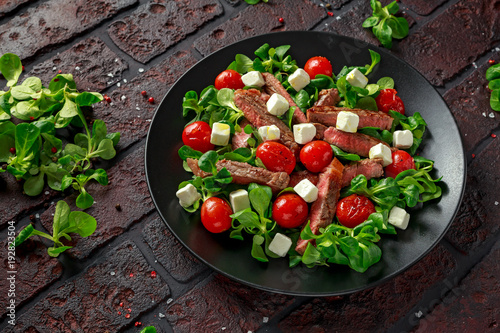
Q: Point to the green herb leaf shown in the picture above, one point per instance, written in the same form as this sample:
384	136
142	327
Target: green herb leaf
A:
11	68
493	72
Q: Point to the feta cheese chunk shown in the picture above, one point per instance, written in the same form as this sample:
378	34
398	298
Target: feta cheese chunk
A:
239	200
303	133
269	132
307	190
220	134
402	139
188	195
347	121
299	79
253	79
381	151
398	217
277	105
356	78
280	244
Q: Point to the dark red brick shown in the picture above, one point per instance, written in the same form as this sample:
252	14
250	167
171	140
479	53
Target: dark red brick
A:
130	113
438	54
7	6
14	203
222	304
53	23
473	306
477	218
376	309
90	302
423	7
157	25
93	65
470	104
35	271
128	188
169	252
259	19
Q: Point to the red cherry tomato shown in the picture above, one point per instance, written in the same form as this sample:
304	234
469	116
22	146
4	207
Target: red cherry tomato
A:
318	65
197	136
401	161
354	210
229	79
276	157
387	100
215	215
316	155
290	210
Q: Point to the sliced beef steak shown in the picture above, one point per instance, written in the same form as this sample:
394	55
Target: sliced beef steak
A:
328	97
239	139
244	174
297	176
370	168
323	209
327	115
356	143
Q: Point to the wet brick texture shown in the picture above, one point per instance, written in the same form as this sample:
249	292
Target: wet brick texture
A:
133	272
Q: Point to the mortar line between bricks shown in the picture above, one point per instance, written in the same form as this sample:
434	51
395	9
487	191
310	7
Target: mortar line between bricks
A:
440	293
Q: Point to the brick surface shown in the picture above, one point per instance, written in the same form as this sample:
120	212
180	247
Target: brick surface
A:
376	309
93	65
53	23
335	4
470	104
259	19
7	6
423	7
35	271
473	305
128	188
222	304
477	218
169	252
92	300
157	25
438	54
131	113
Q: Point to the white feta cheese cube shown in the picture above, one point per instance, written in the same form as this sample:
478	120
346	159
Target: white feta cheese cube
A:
277	105
303	133
402	139
188	195
239	200
307	190
280	244
381	151
220	134
347	122
253	79
398	217
299	79
269	132
356	78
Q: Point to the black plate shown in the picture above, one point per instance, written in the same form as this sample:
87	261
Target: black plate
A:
231	257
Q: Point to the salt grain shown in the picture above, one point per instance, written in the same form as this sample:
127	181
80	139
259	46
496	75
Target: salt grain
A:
170	300
54	68
123	97
265	319
161	315
491	115
47	192
474	64
418	314
112	273
118	84
141	70
496	203
110	75
125	80
484	114
37	216
77	68
138	108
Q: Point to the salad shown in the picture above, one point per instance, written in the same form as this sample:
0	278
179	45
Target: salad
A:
301	161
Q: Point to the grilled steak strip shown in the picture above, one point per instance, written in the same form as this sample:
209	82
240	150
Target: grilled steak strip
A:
356	143
320	130
273	85
244	174
255	110
328	97
371	168
239	139
323	209
297	176
327	115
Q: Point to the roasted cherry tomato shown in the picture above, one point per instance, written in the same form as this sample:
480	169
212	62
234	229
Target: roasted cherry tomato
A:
401	161
316	155
197	136
318	65
354	210
290	210
229	79
387	100
215	215
276	157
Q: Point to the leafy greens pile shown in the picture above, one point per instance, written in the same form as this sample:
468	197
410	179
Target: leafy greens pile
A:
385	26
